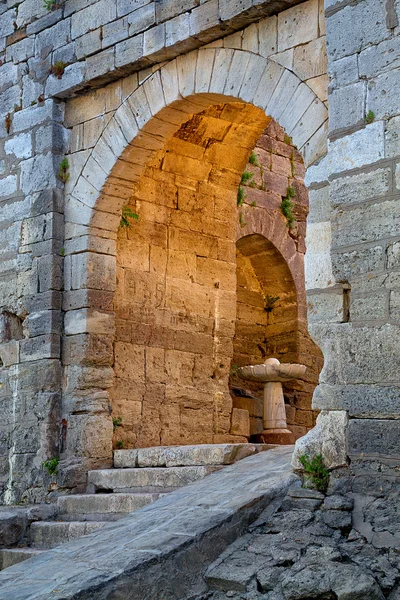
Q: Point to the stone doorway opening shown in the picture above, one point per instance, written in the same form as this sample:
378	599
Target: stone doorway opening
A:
190	303
271	316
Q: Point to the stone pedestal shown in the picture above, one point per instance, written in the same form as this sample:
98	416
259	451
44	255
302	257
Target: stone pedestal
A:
272	374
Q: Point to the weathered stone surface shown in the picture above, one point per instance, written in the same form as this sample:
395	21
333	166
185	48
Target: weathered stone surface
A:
207	506
152	479
50	535
13	556
12	527
382	437
328	438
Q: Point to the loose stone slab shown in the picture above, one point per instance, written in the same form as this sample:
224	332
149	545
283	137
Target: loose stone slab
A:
129	559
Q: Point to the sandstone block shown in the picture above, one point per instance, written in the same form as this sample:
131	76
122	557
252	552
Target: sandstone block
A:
240	422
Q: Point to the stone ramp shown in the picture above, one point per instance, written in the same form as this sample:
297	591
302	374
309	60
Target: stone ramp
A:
179	535
139	477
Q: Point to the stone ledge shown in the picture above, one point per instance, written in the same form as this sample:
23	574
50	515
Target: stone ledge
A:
181	534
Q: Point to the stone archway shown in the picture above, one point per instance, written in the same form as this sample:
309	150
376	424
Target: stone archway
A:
138	130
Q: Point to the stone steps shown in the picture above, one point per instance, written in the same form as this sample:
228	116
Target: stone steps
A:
45	535
150	479
139	477
101	507
185	456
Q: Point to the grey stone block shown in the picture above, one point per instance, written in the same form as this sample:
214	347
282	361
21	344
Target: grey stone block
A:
13	556
320	207
365	224
382	92
129	51
358	188
141	19
102	507
327	307
392	138
92	17
41	347
327	438
43	322
353	98
349	265
393	255
49	535
343	71
12	527
38	173
370	307
91	42
360	400
337	502
351	29
73	77
53	37
374	437
379	58
362	355
152	479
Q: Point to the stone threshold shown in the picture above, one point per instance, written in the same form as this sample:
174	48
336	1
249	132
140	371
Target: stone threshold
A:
163	549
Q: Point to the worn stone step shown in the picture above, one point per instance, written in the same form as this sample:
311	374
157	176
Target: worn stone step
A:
101	507
52	534
184	456
12	556
153	479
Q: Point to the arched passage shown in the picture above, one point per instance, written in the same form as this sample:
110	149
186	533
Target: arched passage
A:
139	129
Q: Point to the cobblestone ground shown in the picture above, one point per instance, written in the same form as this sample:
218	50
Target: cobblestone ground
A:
310	548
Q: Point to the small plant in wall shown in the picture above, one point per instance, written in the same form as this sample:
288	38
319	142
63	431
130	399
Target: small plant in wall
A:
253	159
117	422
287	206
234	370
127	214
63	169
51	465
288	140
58	69
49	4
317	475
119	444
269	302
370	117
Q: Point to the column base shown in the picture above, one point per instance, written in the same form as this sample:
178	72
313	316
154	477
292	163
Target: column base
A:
282	437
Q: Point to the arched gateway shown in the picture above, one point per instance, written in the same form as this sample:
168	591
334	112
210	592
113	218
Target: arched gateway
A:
174	152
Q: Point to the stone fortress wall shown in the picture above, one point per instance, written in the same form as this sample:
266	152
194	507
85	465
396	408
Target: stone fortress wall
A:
135	73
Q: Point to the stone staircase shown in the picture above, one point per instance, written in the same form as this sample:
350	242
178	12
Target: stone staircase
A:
139	477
